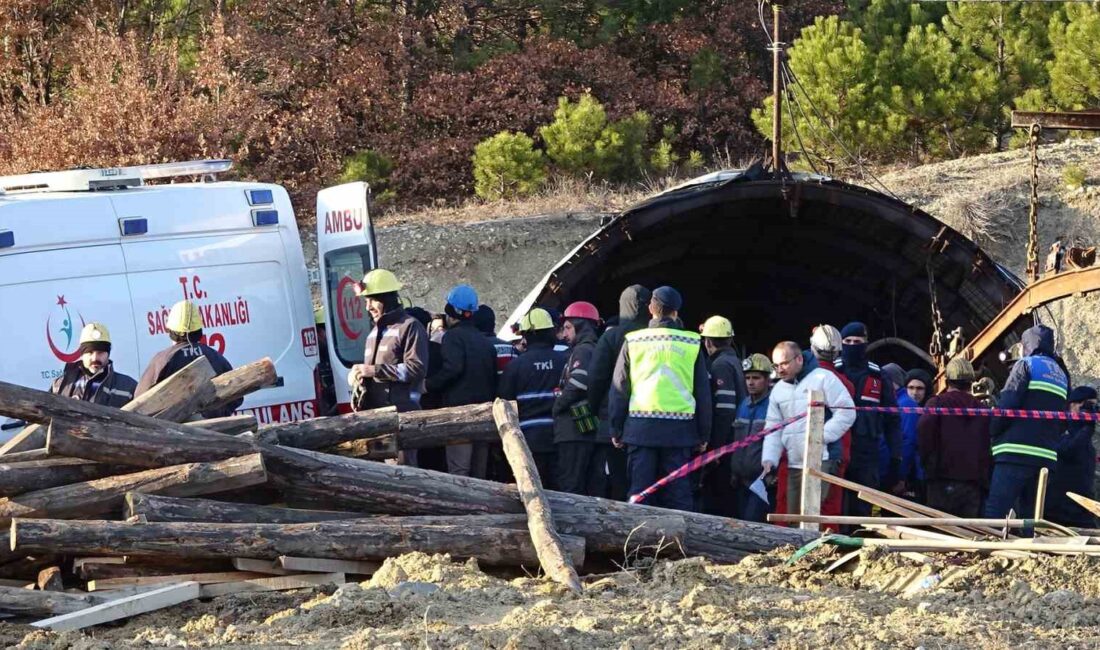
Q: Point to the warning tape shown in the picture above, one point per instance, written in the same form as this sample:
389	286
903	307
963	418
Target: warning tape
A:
706	458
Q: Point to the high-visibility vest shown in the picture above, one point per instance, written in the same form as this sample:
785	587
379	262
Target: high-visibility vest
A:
662	373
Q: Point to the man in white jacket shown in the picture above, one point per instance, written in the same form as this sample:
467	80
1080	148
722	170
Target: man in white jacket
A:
790	398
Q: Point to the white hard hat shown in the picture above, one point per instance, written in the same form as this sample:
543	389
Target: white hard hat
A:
825	338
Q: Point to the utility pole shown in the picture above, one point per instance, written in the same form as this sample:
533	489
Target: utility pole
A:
778	165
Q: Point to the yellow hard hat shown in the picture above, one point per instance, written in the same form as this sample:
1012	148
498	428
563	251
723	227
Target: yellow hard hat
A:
757	363
95	333
536	319
184	318
379	281
718	327
319	316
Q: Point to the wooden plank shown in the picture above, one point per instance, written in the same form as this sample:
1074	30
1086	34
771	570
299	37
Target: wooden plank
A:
323	565
911	521
277	583
548	545
958	531
978	545
1085	502
1041	493
254	565
813	448
201	578
123	607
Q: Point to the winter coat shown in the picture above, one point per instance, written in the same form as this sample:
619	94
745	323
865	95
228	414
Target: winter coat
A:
954	447
1074	473
745	462
108	388
658	432
532	380
167	362
910	468
870	427
468	367
840	449
727	383
1037	382
573	390
788	400
395	362
505	352
633	316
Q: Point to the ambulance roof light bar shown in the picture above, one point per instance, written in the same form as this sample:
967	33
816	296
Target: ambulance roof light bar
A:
107	178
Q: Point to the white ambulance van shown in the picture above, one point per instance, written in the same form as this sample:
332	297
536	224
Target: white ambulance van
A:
102	245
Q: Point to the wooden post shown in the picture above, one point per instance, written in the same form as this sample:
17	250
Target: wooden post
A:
811	458
548	544
1041	493
238	382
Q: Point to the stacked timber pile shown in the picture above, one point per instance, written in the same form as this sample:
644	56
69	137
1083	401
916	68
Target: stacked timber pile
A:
141	508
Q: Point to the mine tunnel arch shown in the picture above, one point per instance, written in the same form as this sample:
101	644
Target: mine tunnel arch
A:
780	255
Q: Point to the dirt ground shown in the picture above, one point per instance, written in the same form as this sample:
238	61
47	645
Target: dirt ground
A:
874	601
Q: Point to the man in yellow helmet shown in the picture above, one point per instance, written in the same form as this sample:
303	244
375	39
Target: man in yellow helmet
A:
184	328
395	355
727	383
93	378
660	401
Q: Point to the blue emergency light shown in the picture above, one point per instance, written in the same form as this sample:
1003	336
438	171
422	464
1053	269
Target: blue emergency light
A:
265	217
134	226
260	197
7	239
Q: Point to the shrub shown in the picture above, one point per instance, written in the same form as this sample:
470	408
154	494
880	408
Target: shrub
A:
571	138
1073	176
374	169
621	151
507	165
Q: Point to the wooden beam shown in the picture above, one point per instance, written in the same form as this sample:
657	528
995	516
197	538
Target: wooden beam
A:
321	433
106	494
278	583
171	566
548	544
1059	120
1085	502
338	540
201	578
17	478
978	545
911	521
230	425
891	506
238	382
323	565
166	508
447	426
122	608
260	566
378	448
813	449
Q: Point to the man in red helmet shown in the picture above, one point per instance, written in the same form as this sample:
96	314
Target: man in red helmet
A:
580	460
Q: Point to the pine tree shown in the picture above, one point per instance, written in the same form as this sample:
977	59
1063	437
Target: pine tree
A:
1075	72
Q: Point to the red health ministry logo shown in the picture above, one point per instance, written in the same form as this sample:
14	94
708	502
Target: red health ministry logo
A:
60	323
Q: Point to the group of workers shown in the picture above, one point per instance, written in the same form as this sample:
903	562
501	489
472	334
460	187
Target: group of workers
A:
609	408
93	378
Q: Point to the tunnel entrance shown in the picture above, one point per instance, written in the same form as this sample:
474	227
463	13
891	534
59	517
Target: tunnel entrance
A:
778	256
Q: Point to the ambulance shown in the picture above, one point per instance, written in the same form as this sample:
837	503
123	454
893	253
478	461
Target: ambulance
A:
107	245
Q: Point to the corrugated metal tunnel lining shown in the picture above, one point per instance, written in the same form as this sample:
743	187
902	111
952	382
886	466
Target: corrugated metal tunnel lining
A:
780	256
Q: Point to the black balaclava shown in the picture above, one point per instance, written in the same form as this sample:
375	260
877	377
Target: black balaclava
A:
854	356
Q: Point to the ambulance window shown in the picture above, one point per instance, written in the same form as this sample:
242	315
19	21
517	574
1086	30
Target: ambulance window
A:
349	320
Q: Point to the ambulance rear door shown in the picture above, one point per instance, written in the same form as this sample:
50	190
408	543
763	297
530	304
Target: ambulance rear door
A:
346	251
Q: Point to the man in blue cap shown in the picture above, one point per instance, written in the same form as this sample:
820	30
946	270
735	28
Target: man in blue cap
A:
467	373
872	389
660	401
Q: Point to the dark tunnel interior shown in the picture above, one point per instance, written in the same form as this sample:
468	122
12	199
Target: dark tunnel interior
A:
777	258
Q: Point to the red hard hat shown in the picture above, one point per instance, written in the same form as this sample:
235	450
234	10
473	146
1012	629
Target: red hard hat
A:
582	309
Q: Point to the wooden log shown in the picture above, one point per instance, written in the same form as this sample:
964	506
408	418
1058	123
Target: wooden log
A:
18	584
447	426
323	565
122	608
278	583
231	425
814	447
201	578
238	382
338	540
545	537
165	508
106	494
106	571
26	456
17	478
322	433
367	486
49	579
145	443
379	448
173	399
28	602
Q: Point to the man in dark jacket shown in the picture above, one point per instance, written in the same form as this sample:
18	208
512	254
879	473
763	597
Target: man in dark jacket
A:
870	427
580	469
727	384
633	316
1076	465
93	377
1021	447
744	463
468	373
184	327
954	449
531	380
395	353
660	402
485	319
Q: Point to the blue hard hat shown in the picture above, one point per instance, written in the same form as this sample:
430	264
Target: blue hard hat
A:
463	298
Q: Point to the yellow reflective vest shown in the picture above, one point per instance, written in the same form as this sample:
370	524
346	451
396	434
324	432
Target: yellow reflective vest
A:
662	370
